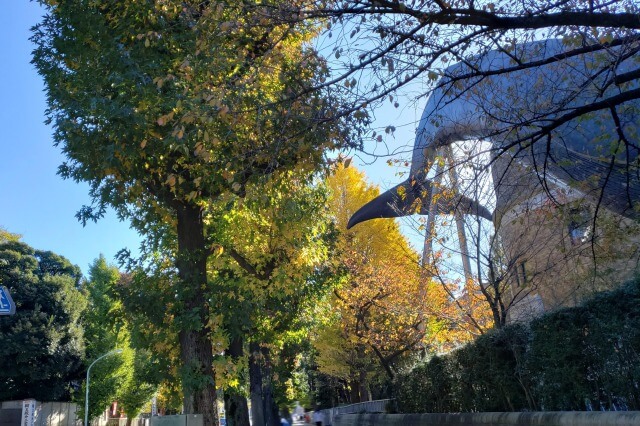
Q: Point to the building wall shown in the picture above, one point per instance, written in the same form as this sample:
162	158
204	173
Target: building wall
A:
556	254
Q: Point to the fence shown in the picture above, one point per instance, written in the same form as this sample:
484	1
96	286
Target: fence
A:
378	406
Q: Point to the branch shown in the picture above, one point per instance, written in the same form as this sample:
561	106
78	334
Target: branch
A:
263	275
462	17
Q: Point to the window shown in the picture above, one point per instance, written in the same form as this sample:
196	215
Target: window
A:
521	274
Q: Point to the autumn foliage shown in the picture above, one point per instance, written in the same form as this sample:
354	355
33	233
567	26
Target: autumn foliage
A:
379	311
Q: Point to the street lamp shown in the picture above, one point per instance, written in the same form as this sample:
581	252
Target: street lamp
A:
86	399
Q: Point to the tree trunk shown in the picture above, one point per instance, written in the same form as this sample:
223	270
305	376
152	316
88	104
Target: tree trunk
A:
236	408
354	391
255	385
264	410
364	387
272	417
195	347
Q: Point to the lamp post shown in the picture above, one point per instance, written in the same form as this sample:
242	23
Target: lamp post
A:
86	399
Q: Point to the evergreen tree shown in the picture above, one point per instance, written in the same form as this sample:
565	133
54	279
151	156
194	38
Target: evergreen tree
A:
42	349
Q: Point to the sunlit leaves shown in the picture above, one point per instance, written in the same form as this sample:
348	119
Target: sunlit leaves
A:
381	307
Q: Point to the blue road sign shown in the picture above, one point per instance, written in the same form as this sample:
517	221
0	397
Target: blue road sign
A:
7	307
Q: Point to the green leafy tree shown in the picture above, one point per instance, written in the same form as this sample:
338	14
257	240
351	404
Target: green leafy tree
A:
274	247
42	349
163	107
124	378
149	303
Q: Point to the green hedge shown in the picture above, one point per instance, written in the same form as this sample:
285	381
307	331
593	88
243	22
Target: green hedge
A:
582	358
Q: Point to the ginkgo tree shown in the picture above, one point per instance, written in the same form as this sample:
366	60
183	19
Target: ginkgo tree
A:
164	106
381	307
274	246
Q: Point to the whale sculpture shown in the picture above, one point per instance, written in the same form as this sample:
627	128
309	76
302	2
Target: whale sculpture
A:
569	117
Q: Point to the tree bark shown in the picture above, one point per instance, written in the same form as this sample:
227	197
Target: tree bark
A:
236	408
263	406
195	346
354	391
255	385
272	417
364	387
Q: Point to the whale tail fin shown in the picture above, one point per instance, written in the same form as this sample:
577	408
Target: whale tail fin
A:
411	197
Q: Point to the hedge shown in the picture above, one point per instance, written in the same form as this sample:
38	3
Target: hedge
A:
581	358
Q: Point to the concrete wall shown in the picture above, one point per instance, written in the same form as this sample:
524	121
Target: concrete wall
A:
564	418
56	414
47	413
10	413
177	420
378	406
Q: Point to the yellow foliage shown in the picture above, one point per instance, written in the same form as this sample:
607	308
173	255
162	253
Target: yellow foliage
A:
384	303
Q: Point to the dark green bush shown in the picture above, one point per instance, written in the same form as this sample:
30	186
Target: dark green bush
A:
433	380
581	358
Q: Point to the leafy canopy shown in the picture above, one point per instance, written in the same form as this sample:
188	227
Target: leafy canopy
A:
42	344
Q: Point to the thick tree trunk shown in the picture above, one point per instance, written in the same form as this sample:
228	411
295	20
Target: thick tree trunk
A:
364	387
264	410
235	404
272	417
195	347
255	385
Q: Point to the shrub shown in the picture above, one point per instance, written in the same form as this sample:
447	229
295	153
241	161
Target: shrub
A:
580	358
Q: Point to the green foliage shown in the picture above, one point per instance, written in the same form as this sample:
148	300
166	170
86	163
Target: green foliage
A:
179	101
435	382
125	377
592	351
42	346
166	107
150	307
579	358
272	252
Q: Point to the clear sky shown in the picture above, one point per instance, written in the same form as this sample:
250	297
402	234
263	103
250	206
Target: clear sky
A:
34	201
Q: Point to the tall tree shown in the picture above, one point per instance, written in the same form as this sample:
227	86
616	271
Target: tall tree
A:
162	107
125	378
274	247
381	307
42	344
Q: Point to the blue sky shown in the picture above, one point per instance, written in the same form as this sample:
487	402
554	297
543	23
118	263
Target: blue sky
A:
34	201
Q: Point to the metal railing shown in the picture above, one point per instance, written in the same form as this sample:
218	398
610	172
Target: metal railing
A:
378	406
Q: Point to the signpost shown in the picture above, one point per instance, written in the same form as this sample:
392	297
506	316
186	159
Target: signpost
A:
28	412
7	307
154	406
